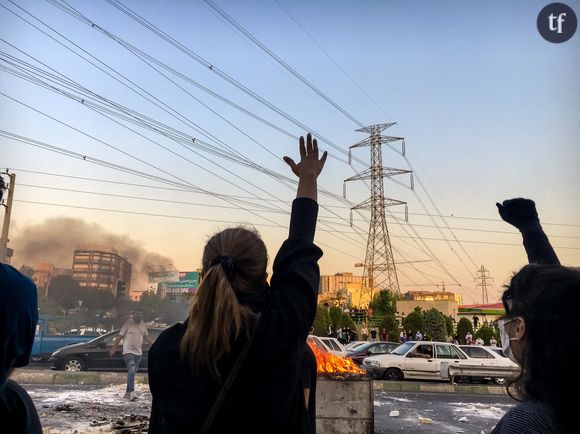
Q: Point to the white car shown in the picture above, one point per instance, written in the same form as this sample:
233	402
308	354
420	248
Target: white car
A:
331	345
419	360
489	356
354	344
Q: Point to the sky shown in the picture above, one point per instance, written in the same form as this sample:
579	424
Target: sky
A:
488	109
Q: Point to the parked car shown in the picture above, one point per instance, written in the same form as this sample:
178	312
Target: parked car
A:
488	356
354	344
419	360
45	343
94	355
371	349
332	345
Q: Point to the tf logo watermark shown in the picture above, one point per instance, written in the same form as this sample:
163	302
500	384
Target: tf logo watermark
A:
557	22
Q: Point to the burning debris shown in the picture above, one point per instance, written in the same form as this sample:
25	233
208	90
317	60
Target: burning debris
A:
334	366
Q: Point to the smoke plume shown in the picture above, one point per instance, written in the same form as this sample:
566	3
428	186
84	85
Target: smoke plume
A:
55	240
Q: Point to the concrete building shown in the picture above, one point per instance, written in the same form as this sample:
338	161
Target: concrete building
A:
444	301
332	283
101	267
43	274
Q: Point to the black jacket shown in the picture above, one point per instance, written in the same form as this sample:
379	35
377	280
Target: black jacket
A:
267	395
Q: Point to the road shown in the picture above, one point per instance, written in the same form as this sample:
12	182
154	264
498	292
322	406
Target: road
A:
95	407
441	412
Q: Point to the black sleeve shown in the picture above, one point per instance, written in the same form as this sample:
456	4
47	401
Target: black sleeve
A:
537	245
296	275
17	411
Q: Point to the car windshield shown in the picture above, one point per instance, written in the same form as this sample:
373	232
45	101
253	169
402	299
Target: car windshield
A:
362	347
402	349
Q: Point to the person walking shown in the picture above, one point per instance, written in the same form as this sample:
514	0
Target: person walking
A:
234	365
133	332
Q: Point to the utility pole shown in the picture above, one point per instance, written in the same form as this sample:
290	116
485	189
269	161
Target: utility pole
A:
483	280
379	267
8	206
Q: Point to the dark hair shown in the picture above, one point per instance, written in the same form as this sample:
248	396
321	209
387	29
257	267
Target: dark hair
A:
547	297
233	268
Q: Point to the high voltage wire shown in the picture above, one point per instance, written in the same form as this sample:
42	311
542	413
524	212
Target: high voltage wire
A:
242	222
278	177
301	78
289	202
77	15
164	36
209	66
277	226
281	62
276	211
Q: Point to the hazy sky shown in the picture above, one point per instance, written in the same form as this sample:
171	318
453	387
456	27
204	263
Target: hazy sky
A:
489	111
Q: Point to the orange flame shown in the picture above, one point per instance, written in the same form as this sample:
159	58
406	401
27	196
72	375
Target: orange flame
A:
327	363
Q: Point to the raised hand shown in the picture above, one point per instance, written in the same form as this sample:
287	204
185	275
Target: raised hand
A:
518	212
310	164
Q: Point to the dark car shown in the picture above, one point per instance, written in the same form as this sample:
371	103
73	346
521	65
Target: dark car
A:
371	349
94	355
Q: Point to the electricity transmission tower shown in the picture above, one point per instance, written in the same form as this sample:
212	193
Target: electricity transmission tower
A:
379	266
483	280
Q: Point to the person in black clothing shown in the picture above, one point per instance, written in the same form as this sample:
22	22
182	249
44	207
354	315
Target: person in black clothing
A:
238	355
539	332
309	385
18	318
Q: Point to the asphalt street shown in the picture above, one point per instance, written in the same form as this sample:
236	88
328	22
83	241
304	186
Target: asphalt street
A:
438	412
84	408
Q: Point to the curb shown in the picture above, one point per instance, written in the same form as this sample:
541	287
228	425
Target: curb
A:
470	389
30	376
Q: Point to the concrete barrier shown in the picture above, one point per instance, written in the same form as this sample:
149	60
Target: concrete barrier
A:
344	406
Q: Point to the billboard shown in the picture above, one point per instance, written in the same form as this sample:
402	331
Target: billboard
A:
163	276
188	283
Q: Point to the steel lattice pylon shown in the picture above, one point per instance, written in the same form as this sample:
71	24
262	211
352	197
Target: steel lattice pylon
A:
379	267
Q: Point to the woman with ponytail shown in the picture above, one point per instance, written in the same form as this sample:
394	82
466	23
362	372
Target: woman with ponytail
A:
234	364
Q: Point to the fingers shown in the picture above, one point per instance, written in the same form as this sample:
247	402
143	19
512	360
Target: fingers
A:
302	147
315	148
290	162
323	159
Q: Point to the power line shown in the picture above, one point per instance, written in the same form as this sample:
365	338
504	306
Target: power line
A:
281	62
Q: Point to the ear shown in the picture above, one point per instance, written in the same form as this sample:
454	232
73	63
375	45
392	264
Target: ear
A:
520	328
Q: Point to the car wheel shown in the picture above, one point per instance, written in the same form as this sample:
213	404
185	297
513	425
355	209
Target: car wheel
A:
499	381
74	364
393	374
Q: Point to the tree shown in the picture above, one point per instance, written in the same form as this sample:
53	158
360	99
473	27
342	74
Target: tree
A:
65	292
434	327
384	303
464	326
485	333
449	325
335	315
414	322
321	320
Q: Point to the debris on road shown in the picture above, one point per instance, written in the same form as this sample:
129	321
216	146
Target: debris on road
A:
425	420
463	419
394	413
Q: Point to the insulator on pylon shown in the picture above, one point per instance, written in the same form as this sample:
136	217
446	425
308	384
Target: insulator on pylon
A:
406	213
344	190
349	156
412	182
403	148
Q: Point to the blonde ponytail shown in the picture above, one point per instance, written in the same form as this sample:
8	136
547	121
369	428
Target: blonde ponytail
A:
217	318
